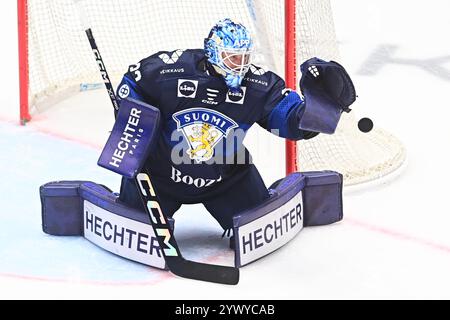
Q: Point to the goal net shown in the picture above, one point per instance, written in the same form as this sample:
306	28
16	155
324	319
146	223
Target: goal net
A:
60	63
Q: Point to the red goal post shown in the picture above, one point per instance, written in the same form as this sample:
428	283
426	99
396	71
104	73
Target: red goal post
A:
291	74
22	10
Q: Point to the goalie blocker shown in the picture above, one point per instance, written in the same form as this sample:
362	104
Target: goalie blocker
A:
81	208
132	138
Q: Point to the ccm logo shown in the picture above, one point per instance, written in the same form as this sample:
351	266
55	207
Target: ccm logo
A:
99	60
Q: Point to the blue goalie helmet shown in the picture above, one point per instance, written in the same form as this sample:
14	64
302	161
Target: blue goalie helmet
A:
229	47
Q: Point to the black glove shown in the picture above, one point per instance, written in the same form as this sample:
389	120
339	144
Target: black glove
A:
328	91
330	78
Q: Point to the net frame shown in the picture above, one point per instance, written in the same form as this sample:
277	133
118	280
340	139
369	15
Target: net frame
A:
293	29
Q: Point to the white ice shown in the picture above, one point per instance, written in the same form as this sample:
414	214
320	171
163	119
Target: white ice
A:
394	241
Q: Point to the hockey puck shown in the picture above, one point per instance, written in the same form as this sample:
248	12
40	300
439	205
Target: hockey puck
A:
365	125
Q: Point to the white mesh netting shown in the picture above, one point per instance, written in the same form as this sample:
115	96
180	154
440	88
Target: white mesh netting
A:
60	59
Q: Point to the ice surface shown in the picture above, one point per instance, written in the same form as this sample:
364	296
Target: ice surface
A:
393	243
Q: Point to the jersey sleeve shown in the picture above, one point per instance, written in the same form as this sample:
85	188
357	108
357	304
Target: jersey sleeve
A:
140	82
282	111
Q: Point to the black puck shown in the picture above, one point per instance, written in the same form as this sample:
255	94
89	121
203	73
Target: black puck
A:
365	125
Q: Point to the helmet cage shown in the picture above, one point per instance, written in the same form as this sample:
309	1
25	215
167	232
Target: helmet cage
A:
234	61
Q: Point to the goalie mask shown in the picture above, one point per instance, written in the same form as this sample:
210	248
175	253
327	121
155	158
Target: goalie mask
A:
229	47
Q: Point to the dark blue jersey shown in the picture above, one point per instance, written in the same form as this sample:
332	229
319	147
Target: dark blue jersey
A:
203	123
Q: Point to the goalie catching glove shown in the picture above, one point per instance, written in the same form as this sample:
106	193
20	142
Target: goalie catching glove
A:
328	91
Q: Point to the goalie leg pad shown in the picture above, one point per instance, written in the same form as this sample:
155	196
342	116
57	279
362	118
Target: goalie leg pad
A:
298	201
134	134
322	198
82	208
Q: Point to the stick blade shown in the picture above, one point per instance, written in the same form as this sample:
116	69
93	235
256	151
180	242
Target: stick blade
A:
202	271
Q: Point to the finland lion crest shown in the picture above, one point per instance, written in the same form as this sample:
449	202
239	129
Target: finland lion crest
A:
203	130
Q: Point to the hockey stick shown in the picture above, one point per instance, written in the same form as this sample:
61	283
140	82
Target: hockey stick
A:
175	261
